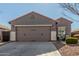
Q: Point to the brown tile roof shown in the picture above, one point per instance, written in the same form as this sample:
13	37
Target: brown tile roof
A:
61	18
51	20
4	27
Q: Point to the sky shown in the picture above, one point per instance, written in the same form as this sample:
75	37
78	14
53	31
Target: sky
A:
11	11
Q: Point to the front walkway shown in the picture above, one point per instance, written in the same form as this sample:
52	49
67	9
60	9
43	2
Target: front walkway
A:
29	49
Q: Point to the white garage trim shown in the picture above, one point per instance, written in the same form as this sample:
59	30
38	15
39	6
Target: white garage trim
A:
53	35
12	36
34	25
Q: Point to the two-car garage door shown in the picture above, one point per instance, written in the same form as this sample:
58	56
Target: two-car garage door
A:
31	33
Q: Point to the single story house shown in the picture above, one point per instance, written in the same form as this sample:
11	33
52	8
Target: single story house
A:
36	27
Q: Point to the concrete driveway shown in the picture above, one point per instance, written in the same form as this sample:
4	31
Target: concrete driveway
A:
29	49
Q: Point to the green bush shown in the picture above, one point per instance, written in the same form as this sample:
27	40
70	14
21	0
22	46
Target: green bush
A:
71	40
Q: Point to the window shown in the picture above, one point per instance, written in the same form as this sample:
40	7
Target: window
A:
61	32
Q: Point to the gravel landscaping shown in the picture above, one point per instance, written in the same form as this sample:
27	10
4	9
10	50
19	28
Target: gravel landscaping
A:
67	50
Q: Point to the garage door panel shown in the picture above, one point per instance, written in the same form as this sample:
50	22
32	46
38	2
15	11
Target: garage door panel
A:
33	33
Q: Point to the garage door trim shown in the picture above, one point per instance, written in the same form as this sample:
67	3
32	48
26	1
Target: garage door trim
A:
34	25
40	26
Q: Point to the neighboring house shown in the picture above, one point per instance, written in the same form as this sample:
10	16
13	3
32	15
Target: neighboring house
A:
36	27
75	34
4	33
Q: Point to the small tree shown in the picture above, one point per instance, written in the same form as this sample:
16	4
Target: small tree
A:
71	7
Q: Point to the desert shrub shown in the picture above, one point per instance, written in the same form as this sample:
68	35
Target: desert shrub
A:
71	40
